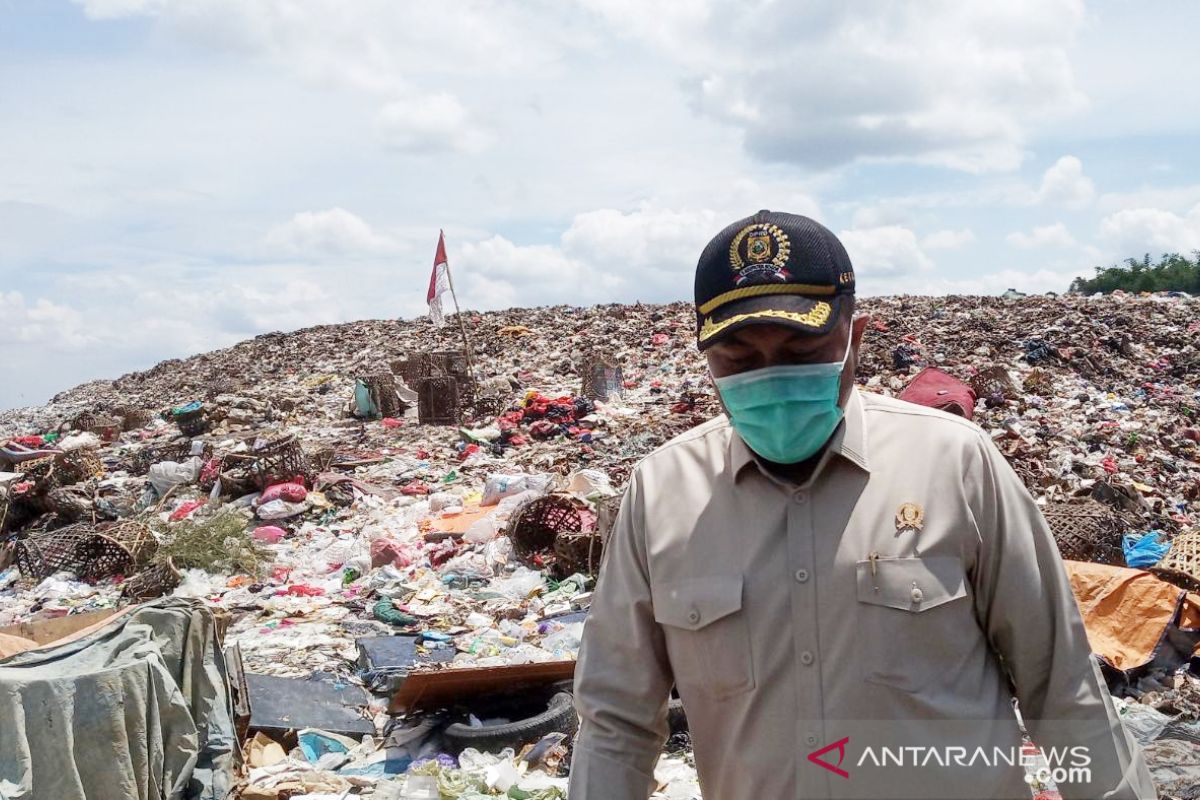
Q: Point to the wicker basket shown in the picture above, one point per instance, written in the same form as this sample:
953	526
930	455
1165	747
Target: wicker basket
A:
579	552
69	503
320	459
1181	564
1087	531
602	378
437	401
132	417
606	515
76	466
534	527
279	460
41	473
136	537
141	462
76	548
1039	382
83	421
995	383
383	393
156	580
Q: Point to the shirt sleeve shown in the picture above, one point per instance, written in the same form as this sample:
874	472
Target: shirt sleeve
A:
623	677
1024	602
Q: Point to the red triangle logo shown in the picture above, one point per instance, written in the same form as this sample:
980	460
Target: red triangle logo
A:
840	746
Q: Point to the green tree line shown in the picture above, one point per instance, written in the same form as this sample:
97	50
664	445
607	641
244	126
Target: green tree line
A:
1172	273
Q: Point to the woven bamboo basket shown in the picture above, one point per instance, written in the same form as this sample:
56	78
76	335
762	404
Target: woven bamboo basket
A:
75	548
41	473
107	428
136	537
1039	382
606	514
156	580
77	465
995	382
320	459
579	552
281	459
489	406
83	421
140	463
132	417
438	401
1181	564
601	377
382	387
69	503
1087	531
534	527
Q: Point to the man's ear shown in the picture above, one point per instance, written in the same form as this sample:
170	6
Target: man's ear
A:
859	327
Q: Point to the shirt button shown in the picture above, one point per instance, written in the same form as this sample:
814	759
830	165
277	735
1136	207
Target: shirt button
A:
801	575
917	595
800	497
810	739
693	616
806	658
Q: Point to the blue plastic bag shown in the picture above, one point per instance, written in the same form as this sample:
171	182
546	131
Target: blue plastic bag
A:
1145	550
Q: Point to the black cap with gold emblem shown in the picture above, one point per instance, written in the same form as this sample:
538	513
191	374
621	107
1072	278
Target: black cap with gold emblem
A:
771	267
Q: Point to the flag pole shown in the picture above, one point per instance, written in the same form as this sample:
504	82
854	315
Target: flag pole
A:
461	325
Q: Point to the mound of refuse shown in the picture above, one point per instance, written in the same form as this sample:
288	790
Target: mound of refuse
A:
367	506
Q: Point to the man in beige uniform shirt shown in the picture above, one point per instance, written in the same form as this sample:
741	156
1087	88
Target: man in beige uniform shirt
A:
847	591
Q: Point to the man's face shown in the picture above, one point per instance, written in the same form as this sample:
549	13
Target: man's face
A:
770	345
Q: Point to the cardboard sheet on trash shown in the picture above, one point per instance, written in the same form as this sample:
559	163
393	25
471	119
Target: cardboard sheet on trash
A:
58	629
1127	611
458	523
439	687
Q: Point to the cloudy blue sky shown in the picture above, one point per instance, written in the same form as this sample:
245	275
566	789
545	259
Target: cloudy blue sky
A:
178	175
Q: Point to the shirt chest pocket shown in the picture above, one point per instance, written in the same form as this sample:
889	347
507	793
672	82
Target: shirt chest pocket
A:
915	619
708	638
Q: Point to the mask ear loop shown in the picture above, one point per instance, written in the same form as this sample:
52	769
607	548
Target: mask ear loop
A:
849	344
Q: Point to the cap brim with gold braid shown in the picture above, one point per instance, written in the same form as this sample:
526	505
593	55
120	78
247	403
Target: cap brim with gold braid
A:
771	268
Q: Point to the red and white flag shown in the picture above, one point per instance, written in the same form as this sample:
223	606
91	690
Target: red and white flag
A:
439	282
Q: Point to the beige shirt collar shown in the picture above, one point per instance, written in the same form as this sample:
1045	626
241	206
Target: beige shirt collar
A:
849	441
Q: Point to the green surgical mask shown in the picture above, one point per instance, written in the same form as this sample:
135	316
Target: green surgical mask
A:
786	413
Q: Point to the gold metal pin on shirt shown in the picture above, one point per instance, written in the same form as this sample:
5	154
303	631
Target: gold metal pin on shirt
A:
910	517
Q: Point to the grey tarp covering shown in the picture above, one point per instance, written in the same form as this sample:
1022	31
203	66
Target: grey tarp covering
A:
138	710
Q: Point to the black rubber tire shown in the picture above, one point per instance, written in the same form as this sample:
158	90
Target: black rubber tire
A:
559	716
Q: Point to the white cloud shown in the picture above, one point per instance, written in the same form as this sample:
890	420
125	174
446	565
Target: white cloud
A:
888	251
429	123
947	239
335	231
823	83
1064	184
42	324
1134	231
1055	235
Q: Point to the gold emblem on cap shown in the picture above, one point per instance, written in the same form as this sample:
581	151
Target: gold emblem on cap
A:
765	245
910	517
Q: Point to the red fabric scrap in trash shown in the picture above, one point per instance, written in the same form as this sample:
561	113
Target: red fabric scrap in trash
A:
291	492
185	510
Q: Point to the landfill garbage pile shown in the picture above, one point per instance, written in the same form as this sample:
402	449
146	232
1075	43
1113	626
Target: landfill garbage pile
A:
294	483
